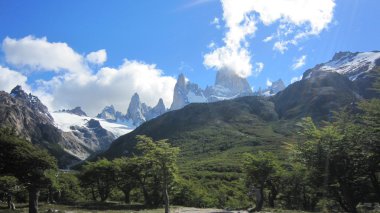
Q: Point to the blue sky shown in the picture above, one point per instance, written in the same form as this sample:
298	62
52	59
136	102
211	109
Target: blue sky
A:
175	36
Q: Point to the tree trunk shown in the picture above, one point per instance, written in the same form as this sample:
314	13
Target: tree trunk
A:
165	193
9	199
127	192
51	195
103	196
156	196
93	194
166	197
375	184
147	200
271	199
259	199
34	193
10	204
272	194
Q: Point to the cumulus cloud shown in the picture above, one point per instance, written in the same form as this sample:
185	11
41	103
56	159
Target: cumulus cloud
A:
299	62
297	20
75	84
295	79
229	59
97	57
10	78
39	54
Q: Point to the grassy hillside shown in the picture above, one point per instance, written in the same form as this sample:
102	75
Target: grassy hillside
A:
212	138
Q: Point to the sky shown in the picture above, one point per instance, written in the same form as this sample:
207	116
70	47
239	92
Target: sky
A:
93	53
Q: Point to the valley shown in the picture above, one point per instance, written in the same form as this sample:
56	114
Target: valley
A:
190	106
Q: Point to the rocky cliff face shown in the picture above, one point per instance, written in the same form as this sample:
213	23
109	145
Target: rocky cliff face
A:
139	112
186	92
228	86
351	65
276	87
31	101
63	134
157	110
76	111
359	67
136	111
86	135
29	118
110	114
93	135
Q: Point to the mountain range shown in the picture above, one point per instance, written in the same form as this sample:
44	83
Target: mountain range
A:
227	117
227	86
257	120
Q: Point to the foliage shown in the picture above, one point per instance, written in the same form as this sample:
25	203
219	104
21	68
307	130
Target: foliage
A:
126	175
336	157
69	187
27	163
162	160
262	170
23	160
8	183
99	178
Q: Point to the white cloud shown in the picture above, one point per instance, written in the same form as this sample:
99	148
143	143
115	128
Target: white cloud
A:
299	62
215	22
269	83
97	57
10	78
259	66
298	19
74	84
295	79
39	54
268	39
280	46
115	86
232	60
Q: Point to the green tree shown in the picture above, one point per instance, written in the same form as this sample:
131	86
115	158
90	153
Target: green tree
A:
126	170
27	163
261	171
53	185
370	125
163	159
295	190
8	186
64	187
334	155
69	188
99	176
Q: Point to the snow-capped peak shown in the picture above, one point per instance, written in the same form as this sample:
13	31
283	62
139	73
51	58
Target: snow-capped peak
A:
349	64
